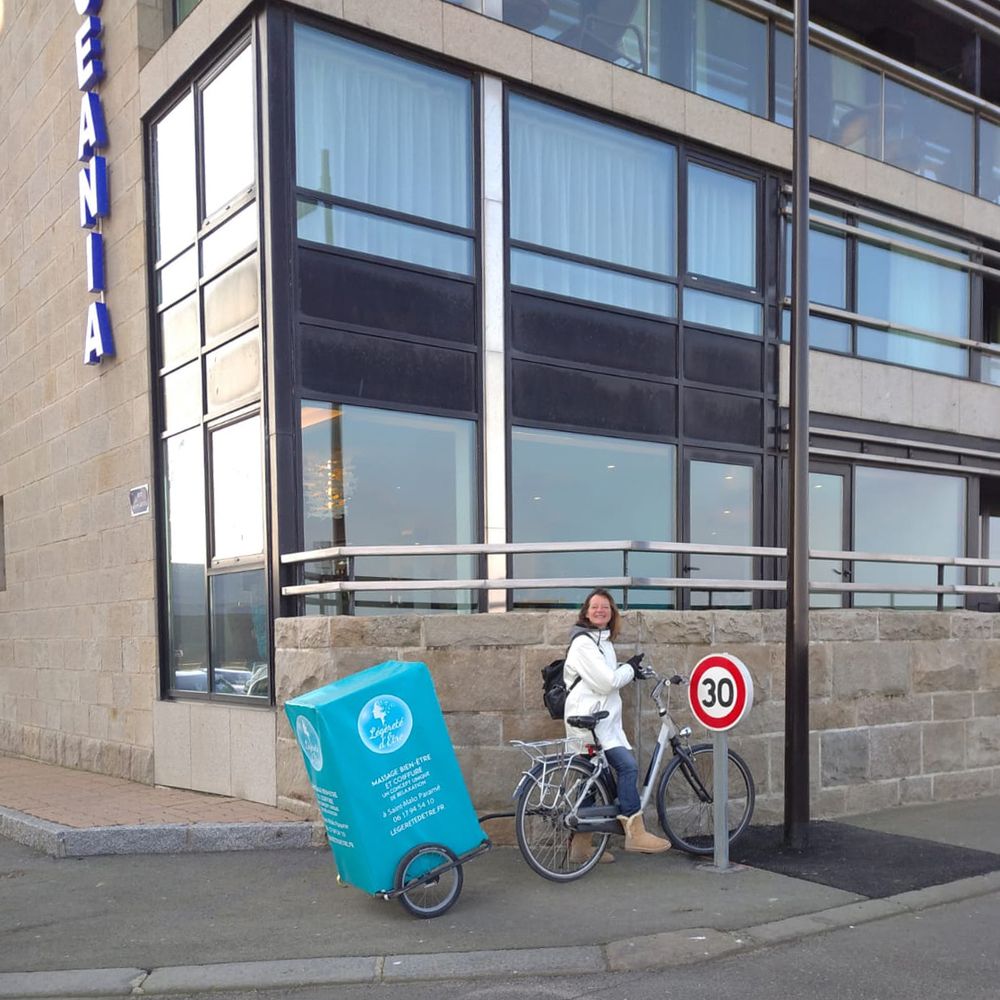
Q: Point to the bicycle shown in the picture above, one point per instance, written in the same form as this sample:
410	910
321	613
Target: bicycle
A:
567	792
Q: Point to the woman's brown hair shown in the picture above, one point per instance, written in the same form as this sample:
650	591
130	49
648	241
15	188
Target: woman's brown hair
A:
584	622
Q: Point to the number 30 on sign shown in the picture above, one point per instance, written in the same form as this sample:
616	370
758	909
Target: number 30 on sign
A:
720	691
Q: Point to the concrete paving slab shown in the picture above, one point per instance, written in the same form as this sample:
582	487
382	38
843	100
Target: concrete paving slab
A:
654	951
271	975
479	964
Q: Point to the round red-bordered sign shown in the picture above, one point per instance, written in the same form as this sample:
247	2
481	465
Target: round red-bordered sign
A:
720	691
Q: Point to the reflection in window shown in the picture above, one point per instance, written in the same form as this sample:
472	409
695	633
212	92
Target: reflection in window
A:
910	513
989	161
231	299
187	610
233	373
239	634
824	334
826	533
901	348
237	489
176	212
372	234
905	290
993	574
845	102
713	50
572	487
232	239
380	477
724	311
228	133
180	334
721	498
592	190
927	136
722	226
827	266
381	130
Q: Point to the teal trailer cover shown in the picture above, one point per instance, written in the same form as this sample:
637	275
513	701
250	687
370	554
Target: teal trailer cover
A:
384	771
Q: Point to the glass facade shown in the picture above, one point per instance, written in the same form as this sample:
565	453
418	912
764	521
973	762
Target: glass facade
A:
210	373
637	286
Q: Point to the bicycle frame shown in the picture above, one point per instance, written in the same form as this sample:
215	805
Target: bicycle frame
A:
549	768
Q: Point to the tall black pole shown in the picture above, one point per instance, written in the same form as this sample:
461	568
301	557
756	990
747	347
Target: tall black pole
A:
797	622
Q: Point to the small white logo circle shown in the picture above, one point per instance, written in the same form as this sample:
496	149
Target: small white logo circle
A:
309	741
385	723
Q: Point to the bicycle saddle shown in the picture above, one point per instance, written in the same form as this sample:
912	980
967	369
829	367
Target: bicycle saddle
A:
586	721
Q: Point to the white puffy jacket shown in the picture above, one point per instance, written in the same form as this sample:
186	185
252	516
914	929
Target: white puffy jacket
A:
591	657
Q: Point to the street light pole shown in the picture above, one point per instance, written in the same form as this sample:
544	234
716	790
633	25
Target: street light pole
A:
797	616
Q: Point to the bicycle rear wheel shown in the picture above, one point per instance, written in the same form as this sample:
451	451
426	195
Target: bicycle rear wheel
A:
685	803
540	821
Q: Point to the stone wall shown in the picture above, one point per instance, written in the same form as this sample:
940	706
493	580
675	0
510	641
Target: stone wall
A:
905	706
77	628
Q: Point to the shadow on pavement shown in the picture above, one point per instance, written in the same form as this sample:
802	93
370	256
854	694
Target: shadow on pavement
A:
868	862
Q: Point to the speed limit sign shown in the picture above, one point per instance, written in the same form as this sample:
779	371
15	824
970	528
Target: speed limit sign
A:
720	691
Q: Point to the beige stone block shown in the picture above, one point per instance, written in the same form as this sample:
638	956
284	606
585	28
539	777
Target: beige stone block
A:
962	785
907	625
771	143
895	750
836	165
983	742
946	665
291	778
886	393
471	631
416	21
843	626
298	671
872	797
389	630
943	747
979	407
971	625
573	74
314	632
737	626
486	682
530	725
882	711
845	757
717	124
253	754
869	668
825	803
486	43
172	743
679	627
491	775
936	401
827	715
940	202
211	749
350	661
952	706
986	703
646	99
915	790
474	728
890	185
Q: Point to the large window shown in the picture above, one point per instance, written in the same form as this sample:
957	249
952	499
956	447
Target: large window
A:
382	477
581	487
592	210
908	513
208	345
383	154
898	297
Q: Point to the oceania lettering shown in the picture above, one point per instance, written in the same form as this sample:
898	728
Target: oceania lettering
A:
95	201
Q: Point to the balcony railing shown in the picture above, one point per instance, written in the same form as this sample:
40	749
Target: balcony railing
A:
333	571
861	99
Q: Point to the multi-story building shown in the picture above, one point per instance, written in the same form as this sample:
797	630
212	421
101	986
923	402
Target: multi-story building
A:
281	277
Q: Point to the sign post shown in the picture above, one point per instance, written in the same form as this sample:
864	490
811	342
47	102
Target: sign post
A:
720	693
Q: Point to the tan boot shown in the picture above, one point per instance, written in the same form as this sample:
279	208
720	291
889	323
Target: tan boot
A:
637	839
581	849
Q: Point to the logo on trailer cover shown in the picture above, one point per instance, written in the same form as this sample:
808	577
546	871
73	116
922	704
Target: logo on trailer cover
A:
385	723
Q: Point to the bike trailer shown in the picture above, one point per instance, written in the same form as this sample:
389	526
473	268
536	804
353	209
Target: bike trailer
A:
386	778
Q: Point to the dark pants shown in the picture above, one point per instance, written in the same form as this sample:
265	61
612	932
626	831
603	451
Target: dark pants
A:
626	769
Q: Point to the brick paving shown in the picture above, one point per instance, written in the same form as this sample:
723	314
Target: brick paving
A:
81	799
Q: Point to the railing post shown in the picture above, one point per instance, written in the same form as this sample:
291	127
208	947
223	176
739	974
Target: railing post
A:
940	583
350	594
625	573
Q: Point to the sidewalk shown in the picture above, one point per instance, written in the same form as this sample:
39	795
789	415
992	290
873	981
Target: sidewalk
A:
257	919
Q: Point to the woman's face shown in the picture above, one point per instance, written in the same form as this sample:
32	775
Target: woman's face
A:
599	611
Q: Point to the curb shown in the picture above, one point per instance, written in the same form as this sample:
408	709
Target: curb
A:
165	838
656	951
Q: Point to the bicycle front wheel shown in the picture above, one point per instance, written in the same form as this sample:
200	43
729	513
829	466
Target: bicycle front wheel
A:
546	842
685	803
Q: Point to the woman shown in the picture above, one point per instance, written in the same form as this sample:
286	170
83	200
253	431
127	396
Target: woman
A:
591	658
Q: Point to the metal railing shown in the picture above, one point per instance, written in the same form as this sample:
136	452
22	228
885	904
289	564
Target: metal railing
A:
495	578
